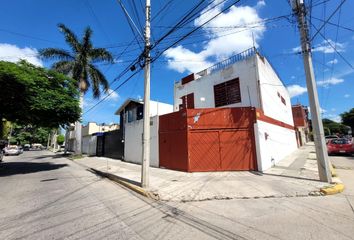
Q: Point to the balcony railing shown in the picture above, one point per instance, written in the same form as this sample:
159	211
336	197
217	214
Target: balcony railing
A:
227	62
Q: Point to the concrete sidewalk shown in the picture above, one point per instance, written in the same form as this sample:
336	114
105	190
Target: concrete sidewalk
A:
295	176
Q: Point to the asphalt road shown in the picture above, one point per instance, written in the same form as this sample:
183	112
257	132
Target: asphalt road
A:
45	196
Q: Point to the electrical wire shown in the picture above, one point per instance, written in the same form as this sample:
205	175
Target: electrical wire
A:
329	18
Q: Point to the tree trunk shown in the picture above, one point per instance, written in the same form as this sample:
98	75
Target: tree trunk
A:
78	139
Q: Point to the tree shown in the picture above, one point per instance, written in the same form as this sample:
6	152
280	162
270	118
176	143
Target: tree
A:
79	63
27	134
60	139
348	118
334	127
31	95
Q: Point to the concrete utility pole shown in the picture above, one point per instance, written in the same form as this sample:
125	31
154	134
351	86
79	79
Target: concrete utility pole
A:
146	136
321	150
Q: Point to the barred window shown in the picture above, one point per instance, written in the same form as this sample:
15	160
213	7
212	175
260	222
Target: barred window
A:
227	93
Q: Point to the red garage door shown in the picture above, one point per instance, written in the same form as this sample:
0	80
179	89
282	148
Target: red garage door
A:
237	150
222	150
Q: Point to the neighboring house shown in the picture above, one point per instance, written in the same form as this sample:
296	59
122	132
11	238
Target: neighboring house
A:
131	121
89	134
246	82
301	123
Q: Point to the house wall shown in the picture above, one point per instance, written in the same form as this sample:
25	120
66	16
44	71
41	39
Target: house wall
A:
158	108
299	116
273	143
133	147
89	144
272	90
92	128
203	87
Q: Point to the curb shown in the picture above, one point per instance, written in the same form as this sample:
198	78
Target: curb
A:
334	189
126	184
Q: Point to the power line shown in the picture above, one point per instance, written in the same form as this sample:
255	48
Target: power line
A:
27	36
139	57
334	48
197	28
336	25
131	23
329	18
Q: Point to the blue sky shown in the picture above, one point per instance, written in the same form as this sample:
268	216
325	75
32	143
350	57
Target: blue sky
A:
27	25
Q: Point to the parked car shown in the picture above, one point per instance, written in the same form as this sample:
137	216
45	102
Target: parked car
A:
340	145
12	150
37	146
2	146
1	154
330	137
26	147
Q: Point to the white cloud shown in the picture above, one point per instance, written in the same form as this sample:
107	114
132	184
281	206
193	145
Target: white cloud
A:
333	109
12	53
185	60
113	96
88	103
346	95
260	3
327	82
334	61
325	47
332	117
222	44
296	90
323	110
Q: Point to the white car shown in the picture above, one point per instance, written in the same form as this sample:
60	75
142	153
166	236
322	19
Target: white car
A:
12	150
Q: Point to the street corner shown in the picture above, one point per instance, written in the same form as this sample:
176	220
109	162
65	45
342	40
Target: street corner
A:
128	184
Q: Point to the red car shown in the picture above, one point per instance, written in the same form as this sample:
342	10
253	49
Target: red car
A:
340	145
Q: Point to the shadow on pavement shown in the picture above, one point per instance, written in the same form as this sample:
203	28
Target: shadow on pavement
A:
52	156
13	168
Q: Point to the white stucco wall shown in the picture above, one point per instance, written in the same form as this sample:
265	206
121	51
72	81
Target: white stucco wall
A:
270	86
133	145
158	108
89	144
280	143
203	87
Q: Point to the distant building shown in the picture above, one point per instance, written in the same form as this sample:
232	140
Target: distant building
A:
301	123
88	134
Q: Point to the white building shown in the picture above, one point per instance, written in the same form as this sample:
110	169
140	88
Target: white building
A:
131	122
245	80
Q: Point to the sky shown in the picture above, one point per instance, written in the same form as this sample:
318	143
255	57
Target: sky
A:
26	26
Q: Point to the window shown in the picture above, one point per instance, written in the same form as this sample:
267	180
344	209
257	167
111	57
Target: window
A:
132	115
283	100
227	93
187	101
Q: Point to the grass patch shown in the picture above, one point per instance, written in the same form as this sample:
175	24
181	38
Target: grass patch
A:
76	156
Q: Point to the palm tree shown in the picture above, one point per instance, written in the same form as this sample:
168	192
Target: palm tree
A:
79	63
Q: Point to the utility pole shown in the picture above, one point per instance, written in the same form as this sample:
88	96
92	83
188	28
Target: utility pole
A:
146	135
320	144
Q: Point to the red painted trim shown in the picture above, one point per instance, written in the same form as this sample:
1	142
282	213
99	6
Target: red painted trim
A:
264	118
